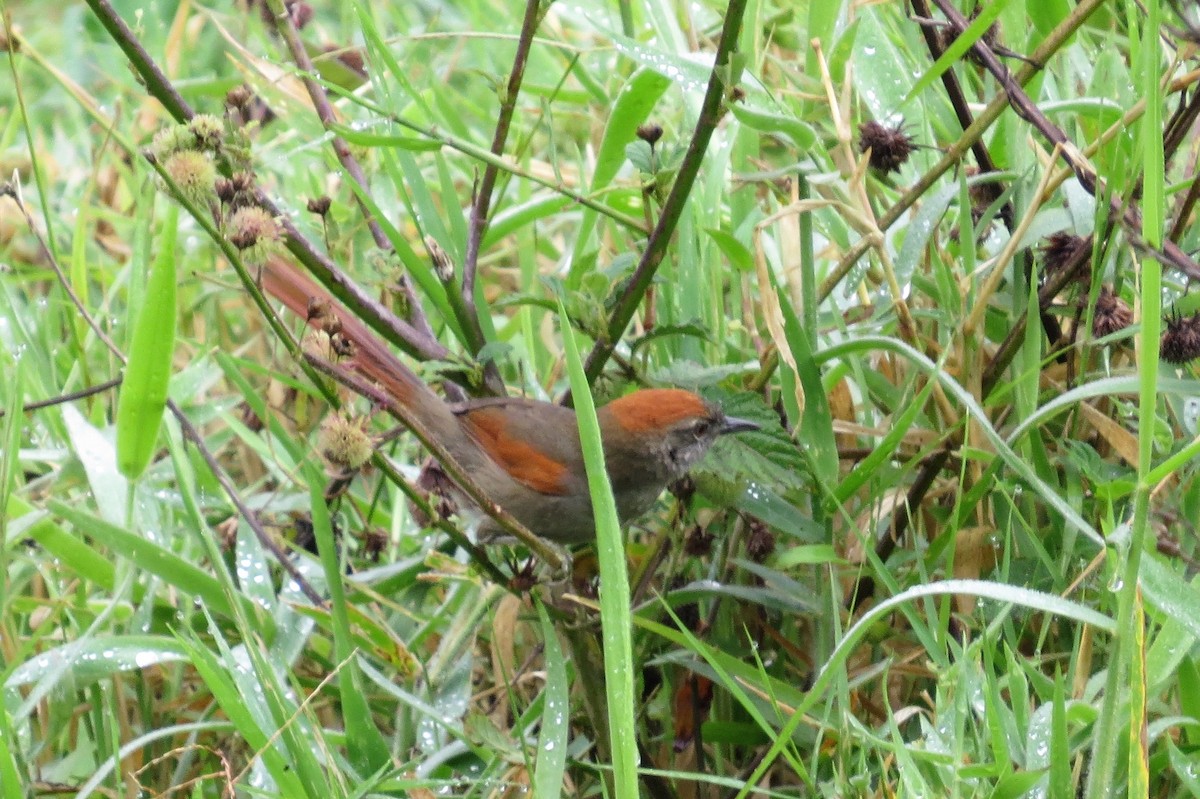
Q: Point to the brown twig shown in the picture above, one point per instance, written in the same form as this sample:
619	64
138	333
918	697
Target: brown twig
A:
487	184
656	247
958	101
320	100
1025	108
69	396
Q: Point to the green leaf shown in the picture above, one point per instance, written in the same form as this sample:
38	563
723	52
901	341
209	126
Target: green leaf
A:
144	389
556	715
800	134
96	658
181	575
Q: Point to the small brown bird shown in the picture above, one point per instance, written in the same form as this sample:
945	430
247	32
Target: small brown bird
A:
525	454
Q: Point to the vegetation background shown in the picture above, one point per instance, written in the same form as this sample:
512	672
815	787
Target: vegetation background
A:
941	252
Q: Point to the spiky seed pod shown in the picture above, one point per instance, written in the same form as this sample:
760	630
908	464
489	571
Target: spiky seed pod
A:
344	442
889	147
650	133
1112	314
1058	250
982	193
255	232
318	309
237	191
1181	341
209	132
316	343
344	347
173	139
194	173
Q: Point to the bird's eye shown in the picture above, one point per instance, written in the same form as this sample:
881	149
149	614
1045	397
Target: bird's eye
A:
701	427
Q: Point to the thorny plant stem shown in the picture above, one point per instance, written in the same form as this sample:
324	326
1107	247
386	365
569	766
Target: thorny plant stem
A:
720	81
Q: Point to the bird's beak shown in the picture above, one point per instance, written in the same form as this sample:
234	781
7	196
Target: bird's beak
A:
734	425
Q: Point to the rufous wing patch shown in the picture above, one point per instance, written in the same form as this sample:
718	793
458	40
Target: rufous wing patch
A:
656	408
524	462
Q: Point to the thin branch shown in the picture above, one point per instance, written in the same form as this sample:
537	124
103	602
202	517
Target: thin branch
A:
508	104
244	510
393	329
958	100
320	100
719	82
70	396
1025	108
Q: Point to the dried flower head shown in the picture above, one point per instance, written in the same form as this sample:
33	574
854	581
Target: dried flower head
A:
760	541
237	191
316	343
194	173
1181	341
1058	250
650	133
255	232
344	442
319	205
698	543
889	148
1111	314
982	193
238	97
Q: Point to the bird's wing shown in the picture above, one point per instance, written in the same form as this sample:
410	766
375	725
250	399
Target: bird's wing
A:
513	432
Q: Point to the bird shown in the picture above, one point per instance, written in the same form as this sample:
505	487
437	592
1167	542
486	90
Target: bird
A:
525	453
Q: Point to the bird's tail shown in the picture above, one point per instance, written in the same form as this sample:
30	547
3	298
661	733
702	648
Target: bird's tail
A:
371	357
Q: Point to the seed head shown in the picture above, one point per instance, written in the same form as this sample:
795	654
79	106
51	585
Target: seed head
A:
344	442
194	173
889	147
1181	341
255	232
1058	250
319	205
208	130
1112	314
650	133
